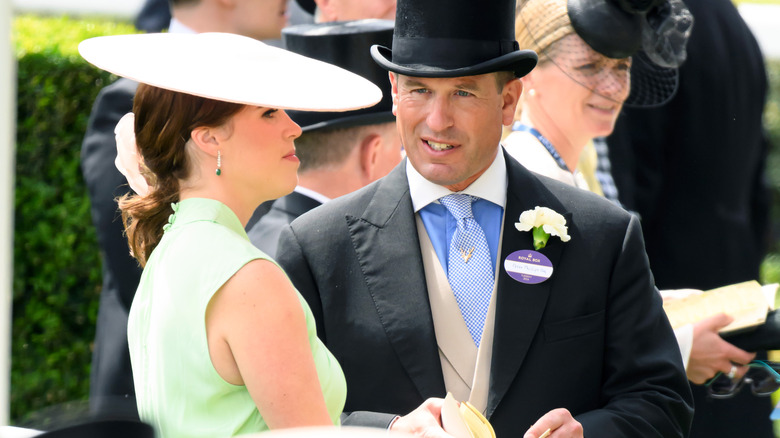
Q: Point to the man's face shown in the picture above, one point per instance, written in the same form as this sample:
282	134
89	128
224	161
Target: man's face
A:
451	127
342	10
259	19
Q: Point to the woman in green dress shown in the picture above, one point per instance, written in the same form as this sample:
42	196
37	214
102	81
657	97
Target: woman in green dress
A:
221	343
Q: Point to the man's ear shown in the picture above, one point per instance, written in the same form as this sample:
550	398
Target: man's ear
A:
394	91
510	98
369	148
206	139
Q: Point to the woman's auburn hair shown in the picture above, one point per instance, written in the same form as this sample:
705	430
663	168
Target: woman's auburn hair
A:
164	121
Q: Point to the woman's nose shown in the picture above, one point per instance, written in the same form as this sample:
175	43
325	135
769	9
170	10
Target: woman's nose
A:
615	84
293	130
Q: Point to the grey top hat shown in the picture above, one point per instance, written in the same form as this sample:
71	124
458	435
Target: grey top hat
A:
452	39
345	44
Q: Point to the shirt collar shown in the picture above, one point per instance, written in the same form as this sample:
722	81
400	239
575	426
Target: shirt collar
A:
490	186
312	194
177	26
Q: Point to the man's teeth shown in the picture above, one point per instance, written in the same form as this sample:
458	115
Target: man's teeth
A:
439	146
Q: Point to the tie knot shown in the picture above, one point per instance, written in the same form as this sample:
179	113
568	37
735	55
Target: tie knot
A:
459	206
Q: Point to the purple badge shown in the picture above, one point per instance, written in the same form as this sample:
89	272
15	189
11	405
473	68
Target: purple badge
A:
528	266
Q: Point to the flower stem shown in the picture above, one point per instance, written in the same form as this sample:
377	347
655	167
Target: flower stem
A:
540	238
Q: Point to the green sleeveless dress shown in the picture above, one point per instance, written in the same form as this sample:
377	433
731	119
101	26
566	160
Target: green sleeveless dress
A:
177	388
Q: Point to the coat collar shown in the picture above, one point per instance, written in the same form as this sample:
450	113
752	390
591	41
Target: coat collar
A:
295	204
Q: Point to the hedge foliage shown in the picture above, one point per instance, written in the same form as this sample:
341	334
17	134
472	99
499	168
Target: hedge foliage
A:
57	278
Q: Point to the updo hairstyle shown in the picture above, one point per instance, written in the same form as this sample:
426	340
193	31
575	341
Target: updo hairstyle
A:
164	121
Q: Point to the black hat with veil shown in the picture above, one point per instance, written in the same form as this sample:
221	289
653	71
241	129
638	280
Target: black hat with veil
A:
653	33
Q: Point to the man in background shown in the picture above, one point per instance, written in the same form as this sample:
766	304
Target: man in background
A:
340	152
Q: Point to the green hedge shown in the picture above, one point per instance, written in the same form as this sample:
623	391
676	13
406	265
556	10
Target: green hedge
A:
770	269
57	279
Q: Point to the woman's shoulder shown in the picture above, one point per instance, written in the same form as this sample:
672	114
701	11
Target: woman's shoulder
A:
207	247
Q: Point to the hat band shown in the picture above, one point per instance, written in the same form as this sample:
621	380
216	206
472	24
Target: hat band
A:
448	53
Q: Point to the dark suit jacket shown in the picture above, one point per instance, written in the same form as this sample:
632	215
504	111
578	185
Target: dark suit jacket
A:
111	380
154	16
694	170
264	234
593	338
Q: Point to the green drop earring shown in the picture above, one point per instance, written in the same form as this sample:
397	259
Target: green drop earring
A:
219	163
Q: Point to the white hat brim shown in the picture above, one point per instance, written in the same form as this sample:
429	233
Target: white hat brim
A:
231	68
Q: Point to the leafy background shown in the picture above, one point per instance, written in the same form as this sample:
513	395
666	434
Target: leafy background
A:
56	280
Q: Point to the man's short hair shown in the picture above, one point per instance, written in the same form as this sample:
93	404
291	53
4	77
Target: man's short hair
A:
183	2
502	77
331	146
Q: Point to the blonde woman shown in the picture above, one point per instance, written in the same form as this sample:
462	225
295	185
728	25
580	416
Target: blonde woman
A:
594	57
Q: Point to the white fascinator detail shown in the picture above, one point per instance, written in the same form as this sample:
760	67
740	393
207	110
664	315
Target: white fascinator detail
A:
128	161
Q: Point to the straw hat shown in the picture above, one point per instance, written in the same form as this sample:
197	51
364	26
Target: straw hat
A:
652	32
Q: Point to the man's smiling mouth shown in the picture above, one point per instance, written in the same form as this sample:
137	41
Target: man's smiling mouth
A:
439	146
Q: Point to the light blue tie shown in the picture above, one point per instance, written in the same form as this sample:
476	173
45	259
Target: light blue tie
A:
469	270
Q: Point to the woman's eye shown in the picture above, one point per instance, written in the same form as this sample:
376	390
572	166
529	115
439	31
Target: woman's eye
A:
586	67
270	112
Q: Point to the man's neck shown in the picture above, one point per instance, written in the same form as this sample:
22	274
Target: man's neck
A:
203	17
329	183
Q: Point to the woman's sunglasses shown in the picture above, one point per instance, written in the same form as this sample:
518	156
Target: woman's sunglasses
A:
762	376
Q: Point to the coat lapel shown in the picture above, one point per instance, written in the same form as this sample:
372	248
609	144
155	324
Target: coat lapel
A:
519	306
388	249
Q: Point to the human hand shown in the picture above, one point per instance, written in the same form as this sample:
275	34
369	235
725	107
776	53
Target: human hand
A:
559	422
425	421
710	354
675	294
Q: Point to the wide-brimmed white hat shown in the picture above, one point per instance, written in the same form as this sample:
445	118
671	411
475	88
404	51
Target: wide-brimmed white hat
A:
231	68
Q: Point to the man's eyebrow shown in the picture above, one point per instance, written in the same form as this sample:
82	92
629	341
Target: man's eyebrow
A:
465	84
414	83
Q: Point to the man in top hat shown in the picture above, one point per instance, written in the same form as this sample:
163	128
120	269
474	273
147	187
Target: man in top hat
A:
340	152
429	281
111	381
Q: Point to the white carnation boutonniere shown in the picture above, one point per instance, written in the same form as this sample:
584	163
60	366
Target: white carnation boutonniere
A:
544	222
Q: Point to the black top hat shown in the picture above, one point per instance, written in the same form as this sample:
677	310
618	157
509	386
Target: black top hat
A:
455	38
307	5
345	44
